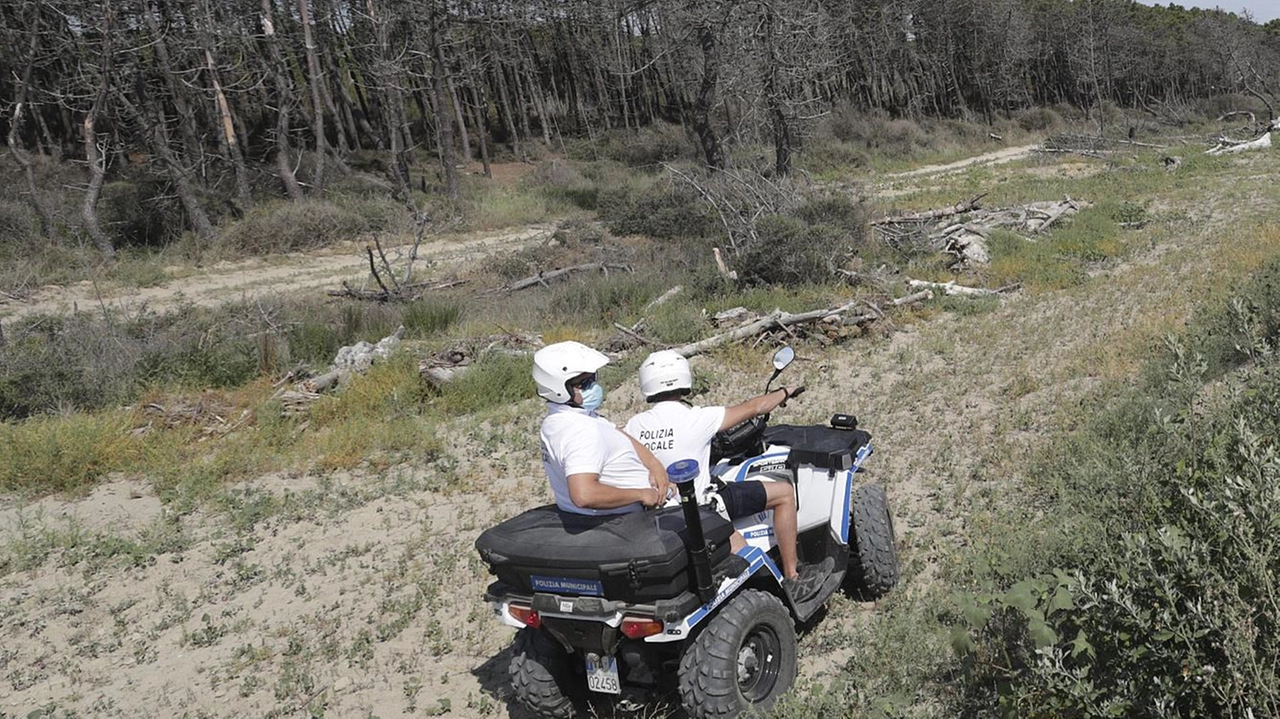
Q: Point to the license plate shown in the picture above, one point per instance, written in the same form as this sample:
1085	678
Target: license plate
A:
603	676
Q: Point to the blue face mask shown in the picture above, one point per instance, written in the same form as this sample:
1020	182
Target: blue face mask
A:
593	397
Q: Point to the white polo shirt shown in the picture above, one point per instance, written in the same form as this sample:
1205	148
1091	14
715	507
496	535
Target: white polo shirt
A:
674	431
576	441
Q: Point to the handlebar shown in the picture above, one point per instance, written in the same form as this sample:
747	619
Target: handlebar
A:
799	391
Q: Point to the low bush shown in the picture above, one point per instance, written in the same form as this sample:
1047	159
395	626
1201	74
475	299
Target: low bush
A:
647	147
663	210
424	318
283	226
788	251
86	362
563	181
1152	591
60	454
1039	119
497	380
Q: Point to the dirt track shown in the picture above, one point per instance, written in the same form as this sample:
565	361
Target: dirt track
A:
288	274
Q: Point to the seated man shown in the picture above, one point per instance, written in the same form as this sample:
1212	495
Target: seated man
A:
675	430
593	467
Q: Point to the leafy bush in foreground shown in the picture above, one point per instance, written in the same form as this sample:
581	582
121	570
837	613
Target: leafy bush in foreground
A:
1167	602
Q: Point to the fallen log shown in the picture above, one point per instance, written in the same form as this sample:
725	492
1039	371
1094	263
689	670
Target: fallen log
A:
953	289
1052	216
1222	148
778	318
664	298
542	277
957	209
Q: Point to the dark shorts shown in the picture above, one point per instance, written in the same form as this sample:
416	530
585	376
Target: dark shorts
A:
743	498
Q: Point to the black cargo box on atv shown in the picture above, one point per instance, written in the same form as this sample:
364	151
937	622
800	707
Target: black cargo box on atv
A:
825	447
639	557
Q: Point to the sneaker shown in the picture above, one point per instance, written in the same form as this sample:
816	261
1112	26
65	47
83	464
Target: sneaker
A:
810	579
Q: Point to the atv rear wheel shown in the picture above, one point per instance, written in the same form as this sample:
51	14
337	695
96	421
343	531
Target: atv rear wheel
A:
745	658
873	566
540	675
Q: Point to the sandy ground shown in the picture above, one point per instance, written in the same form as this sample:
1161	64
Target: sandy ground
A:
358	594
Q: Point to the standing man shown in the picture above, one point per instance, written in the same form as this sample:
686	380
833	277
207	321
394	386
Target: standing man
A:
593	467
674	429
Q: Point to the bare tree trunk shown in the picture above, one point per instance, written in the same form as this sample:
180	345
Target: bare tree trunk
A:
93	156
505	103
706	99
317	105
393	102
186	115
15	141
774	100
444	121
481	122
464	139
284	103
227	137
180	176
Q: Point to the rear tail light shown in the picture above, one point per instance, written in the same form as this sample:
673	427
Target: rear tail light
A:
524	614
639	627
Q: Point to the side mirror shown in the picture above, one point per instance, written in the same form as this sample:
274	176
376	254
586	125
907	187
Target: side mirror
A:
783	357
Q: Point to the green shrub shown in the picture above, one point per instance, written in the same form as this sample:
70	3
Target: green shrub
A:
58	454
603	299
788	251
1091	234
1038	119
283	226
427	317
497	380
140	212
676	322
19	226
1037	265
1153	589
664	210
648	146
563	181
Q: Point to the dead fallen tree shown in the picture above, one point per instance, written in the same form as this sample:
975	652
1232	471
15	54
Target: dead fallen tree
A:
403	293
453	362
953	289
1091	145
355	359
962	235
1230	147
781	319
542	278
959	208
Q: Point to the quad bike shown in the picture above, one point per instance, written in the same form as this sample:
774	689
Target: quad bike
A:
628	605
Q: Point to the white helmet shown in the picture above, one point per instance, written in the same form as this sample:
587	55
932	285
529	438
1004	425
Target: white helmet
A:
556	364
664	371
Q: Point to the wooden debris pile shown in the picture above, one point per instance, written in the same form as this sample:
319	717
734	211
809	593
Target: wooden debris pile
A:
1259	134
355	359
453	362
960	231
208	412
825	325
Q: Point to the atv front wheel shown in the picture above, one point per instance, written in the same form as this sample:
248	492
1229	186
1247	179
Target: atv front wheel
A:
873	566
540	675
745	658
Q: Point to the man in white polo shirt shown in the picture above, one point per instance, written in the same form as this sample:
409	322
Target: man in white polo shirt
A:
593	467
673	430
